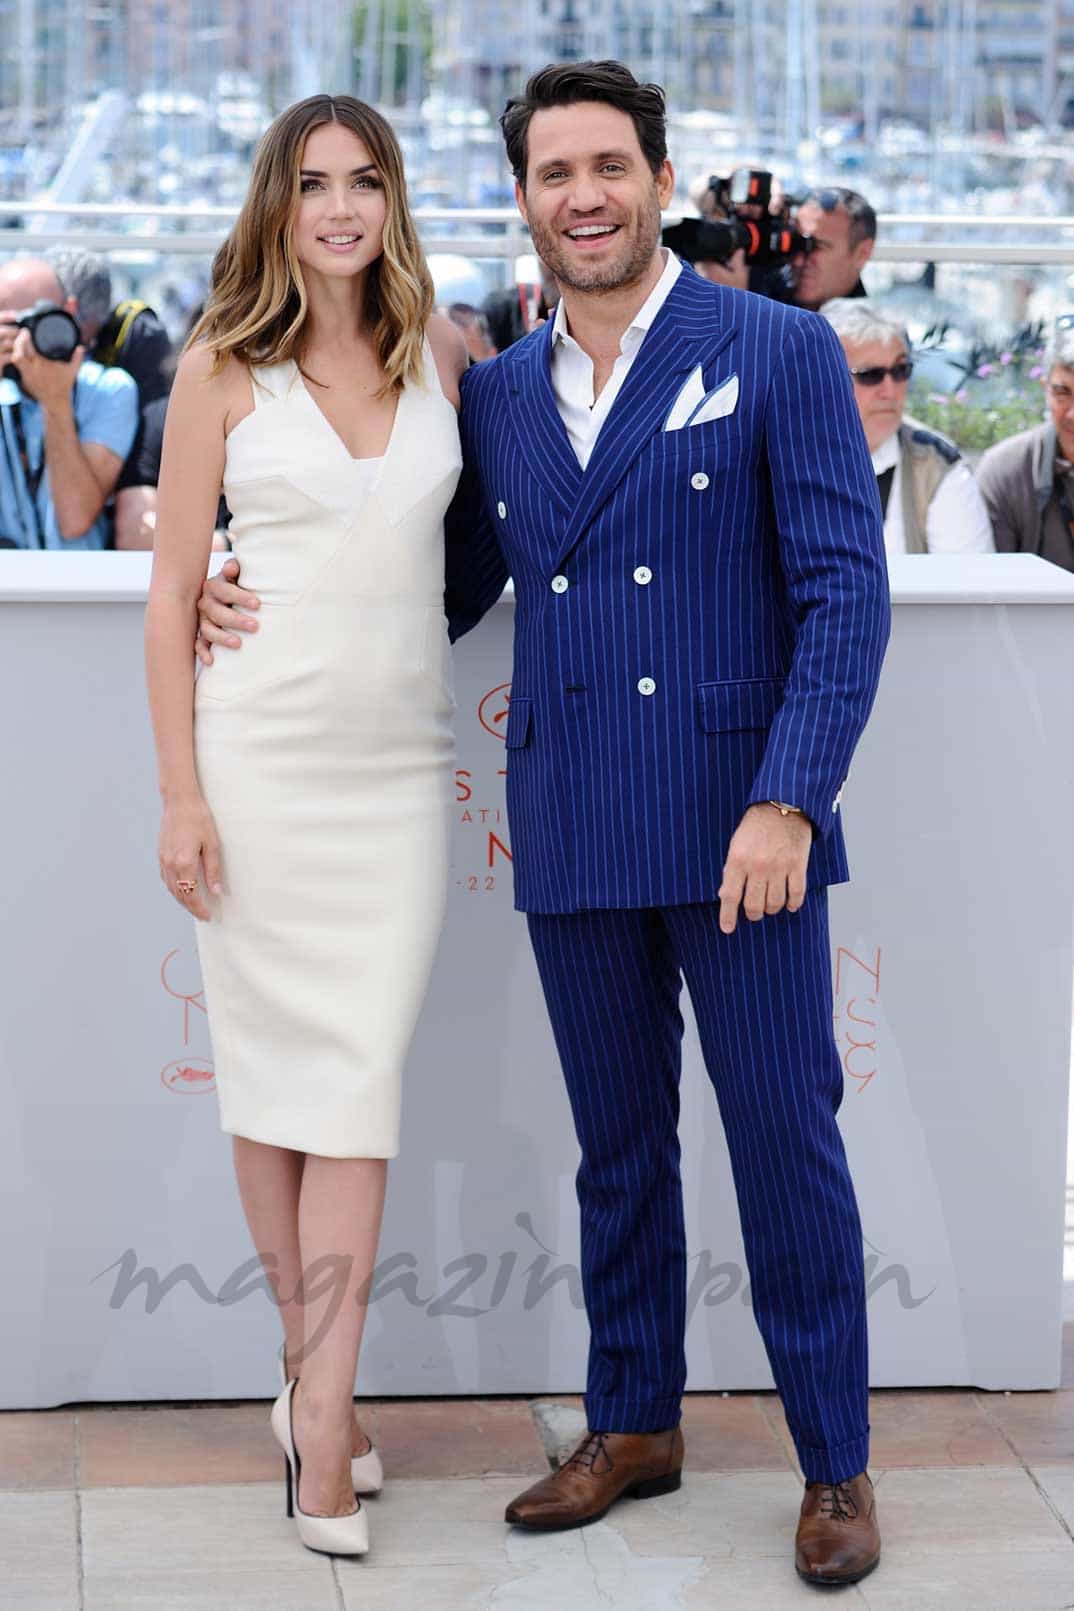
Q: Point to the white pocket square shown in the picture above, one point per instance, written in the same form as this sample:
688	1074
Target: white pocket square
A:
695	406
720	402
692	394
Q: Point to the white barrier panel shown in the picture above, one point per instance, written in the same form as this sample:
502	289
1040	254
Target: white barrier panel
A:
128	1269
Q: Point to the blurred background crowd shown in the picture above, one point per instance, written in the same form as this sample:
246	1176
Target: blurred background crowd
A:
903	170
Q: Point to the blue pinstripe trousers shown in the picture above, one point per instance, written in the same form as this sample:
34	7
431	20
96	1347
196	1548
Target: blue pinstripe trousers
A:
762	998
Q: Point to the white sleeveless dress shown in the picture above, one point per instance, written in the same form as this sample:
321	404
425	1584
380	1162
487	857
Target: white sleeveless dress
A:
325	751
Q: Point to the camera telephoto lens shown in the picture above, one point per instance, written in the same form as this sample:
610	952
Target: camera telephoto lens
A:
53	331
55	336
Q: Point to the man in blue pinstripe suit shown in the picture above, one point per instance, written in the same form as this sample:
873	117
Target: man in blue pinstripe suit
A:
675	476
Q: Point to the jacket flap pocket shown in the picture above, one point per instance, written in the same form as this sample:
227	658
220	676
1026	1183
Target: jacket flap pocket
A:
729	707
519	712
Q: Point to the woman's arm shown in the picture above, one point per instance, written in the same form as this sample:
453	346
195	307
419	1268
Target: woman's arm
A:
192	469
449	350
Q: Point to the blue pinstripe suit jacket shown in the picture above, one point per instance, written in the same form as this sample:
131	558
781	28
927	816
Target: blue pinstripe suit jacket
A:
646	715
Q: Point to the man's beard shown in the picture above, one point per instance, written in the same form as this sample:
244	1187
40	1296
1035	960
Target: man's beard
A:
626	267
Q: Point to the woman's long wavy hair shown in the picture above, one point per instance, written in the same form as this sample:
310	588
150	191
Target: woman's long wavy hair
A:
257	304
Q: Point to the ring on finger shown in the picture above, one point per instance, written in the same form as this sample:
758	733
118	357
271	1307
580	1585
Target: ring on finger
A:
186	887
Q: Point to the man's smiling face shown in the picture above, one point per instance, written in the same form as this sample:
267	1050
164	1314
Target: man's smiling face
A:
591	200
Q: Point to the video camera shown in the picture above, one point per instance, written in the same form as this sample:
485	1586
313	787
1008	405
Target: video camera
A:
53	331
769	239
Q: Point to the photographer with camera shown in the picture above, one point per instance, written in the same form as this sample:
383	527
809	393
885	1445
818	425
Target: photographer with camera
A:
712	249
841	228
129	335
756	237
66	423
747	236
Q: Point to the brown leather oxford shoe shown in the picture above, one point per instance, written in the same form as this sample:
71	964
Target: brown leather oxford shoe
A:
838	1535
606	1466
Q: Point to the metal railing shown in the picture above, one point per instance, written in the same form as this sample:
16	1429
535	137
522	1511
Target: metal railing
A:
512	237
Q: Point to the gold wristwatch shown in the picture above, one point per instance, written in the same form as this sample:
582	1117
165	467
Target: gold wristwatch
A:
785	810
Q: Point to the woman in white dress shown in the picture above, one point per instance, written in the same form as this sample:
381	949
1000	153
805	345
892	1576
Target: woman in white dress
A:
306	782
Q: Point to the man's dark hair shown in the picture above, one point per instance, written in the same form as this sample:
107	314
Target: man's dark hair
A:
567	83
862	216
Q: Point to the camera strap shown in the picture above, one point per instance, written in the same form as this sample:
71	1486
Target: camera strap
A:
31	476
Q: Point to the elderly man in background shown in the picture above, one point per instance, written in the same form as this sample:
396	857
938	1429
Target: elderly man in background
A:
65	428
131	337
931	502
1028	480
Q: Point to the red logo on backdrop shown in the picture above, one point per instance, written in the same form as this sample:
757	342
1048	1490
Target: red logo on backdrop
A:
191	999
180	977
189	1076
492	711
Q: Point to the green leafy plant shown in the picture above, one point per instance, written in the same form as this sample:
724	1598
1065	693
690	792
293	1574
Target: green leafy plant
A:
999	393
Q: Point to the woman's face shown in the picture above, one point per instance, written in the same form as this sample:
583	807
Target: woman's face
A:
339	230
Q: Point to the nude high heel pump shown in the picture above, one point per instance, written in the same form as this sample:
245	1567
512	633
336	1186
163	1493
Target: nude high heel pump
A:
367	1473
332	1535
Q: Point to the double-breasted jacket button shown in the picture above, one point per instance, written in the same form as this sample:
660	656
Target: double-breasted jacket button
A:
643	575
699	481
501	509
560	584
646	686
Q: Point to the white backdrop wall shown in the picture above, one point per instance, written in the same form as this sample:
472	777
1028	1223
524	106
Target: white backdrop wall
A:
128	1270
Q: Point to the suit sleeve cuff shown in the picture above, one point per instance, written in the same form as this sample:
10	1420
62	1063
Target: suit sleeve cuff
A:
821	809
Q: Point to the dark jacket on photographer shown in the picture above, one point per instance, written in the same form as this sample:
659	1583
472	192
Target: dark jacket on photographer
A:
778	284
133	338
507	316
1029	489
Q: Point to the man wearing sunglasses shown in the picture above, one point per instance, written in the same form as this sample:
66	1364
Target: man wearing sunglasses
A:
931	502
843	227
1028	480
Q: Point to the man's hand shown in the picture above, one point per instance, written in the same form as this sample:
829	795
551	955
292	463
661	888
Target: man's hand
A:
9	334
766	864
46	381
219	617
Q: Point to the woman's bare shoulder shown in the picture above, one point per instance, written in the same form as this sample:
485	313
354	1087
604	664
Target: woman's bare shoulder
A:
225	390
449	350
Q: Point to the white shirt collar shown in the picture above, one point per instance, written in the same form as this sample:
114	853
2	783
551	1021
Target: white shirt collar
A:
642	320
886	456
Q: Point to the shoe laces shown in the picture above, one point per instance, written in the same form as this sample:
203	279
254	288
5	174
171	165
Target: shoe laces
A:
837	1503
592	1449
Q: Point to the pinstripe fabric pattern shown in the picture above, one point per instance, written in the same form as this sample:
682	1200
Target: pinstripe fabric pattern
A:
763	1002
762	627
701	620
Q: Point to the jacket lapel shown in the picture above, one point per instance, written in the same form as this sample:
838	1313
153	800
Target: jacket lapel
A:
535	418
684	333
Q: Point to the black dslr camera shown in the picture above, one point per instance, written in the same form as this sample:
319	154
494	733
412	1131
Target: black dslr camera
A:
53	332
704	240
769	239
772	238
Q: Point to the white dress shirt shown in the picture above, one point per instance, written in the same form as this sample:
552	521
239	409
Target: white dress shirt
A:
572	369
957	520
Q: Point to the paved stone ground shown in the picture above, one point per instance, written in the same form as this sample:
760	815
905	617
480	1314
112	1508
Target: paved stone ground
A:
180	1508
